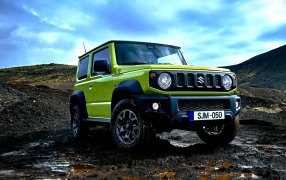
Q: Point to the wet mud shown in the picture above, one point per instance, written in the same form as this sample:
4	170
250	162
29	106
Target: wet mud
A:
258	152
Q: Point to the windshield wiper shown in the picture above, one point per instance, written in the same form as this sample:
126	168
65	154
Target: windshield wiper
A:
134	63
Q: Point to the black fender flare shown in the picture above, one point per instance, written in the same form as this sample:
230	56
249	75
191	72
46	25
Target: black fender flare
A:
78	98
125	89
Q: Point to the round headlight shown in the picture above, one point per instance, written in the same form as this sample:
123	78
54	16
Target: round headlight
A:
227	82
164	80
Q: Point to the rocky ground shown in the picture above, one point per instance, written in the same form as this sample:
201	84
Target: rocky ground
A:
29	108
36	143
261	104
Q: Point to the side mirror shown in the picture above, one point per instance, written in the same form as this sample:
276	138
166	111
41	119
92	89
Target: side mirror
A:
100	66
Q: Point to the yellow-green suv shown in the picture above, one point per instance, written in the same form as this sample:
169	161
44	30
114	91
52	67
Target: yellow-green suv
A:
139	88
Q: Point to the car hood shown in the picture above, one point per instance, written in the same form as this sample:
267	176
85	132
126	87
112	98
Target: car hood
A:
128	68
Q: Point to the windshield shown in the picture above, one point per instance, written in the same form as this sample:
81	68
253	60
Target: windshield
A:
147	53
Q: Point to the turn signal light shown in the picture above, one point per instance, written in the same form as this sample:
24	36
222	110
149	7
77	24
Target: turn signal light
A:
153	75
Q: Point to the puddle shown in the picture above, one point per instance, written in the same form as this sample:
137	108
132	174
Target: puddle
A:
66	167
180	138
180	144
40	144
11	174
14	153
57	166
23	151
7	172
246	167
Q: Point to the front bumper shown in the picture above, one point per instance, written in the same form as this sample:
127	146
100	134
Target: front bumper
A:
171	110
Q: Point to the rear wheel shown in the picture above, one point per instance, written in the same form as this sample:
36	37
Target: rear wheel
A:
79	129
129	130
220	133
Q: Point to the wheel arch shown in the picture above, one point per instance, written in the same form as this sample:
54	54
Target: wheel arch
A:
78	98
125	90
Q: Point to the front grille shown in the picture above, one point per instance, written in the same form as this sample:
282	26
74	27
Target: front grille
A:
191	81
203	105
200	81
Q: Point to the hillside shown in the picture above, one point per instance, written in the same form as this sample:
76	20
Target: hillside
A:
55	76
264	70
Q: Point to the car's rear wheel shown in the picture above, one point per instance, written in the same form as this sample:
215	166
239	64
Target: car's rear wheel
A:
129	130
79	129
219	133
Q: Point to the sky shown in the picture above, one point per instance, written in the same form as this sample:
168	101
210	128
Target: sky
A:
211	33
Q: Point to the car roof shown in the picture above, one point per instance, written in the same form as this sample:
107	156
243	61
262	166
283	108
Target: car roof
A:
122	41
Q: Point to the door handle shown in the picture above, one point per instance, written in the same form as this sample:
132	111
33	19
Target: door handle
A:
90	86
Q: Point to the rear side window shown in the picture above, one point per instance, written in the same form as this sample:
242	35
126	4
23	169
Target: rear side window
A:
83	66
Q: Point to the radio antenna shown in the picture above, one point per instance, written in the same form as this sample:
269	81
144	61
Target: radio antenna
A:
84	47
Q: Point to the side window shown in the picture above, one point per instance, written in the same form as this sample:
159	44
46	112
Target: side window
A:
101	55
83	66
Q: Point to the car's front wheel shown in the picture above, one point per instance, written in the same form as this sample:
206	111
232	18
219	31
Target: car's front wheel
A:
79	129
129	130
219	133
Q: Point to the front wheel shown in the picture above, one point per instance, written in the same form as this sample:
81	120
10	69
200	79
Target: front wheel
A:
129	129
218	134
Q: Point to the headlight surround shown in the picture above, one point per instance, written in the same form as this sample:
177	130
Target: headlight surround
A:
164	81
227	82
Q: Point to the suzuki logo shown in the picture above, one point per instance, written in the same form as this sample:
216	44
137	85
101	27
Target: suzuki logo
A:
201	80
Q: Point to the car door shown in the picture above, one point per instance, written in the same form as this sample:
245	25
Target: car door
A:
100	88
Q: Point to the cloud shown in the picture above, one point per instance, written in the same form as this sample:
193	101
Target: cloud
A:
53	21
215	33
125	18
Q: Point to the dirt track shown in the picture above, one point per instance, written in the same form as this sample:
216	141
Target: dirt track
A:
45	150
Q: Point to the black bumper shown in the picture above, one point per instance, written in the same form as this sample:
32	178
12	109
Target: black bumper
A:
171	108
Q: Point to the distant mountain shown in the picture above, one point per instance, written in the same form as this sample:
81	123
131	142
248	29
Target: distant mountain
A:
265	70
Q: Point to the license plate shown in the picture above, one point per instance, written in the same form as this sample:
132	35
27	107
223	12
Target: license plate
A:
206	115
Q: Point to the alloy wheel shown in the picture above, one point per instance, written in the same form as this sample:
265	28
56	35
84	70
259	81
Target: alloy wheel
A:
127	127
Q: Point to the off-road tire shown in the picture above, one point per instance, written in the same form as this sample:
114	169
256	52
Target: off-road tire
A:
127	122
79	128
226	132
